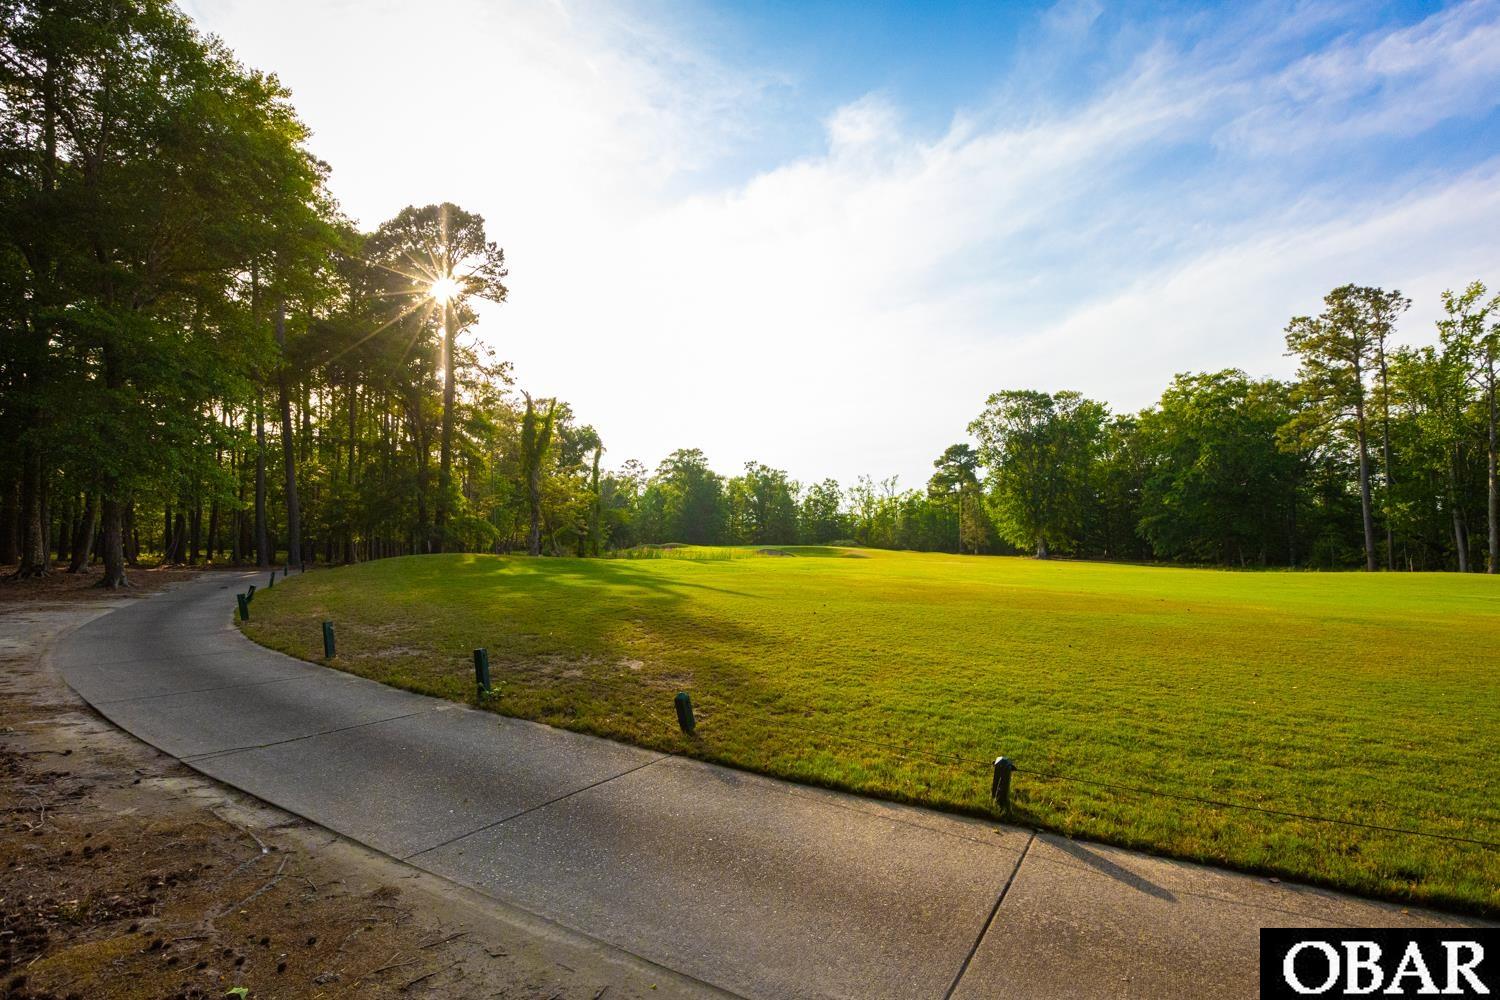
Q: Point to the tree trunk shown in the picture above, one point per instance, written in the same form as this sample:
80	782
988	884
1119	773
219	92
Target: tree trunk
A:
596	515
305	439
1364	487
422	541
535	440
112	542
534	504
1385	452
34	555
1041	548
960	518
34	550
262	536
66	527
353	433
179	539
1390	482
132	537
445	445
214	549
288	452
1460	528
241	527
1493	526
195	533
45	506
113	507
350	549
10	521
83	541
1291	533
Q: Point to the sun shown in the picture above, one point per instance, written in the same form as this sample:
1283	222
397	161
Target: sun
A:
444	289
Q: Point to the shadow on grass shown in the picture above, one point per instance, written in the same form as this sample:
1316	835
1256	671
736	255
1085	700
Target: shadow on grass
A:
605	574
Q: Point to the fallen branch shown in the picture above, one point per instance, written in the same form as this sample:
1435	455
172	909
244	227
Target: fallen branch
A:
429	975
249	833
258	892
450	937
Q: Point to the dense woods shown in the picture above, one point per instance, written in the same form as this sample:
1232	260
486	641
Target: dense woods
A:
204	361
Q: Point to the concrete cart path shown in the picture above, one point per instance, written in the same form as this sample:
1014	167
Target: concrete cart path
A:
749	885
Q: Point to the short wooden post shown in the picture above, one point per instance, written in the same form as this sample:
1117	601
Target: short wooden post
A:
482	675
685	713
1000	783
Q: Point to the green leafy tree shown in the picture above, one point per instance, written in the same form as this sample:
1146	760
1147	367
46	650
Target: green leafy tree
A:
1039	449
820	514
691	496
1460	367
1383	309
162	164
536	439
761	506
1431	386
622	519
1472	337
1112	522
437	260
957	476
1218	487
1337	351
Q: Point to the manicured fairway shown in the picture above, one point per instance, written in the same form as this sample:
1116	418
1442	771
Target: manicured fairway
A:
1369	698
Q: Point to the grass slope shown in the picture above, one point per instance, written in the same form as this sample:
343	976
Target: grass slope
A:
1373	698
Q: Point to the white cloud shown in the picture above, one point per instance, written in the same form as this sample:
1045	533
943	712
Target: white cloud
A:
847	311
551	113
869	122
1227	308
1071	18
1396	83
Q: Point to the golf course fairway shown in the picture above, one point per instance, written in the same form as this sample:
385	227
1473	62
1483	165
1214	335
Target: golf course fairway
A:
1126	695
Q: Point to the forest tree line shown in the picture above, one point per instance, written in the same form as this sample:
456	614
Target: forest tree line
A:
203	360
1377	454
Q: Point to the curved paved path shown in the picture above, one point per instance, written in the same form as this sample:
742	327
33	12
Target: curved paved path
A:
748	885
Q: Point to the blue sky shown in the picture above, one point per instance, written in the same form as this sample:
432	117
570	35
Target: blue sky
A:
817	235
1012	61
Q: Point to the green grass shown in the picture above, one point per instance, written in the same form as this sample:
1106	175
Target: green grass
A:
1373	698
695	553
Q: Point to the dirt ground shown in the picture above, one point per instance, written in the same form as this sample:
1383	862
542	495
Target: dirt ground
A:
61	585
125	874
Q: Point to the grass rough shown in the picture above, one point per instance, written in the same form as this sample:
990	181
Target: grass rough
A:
1368	698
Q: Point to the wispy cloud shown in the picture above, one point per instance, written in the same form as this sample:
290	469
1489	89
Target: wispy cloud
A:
1379	83
848	309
